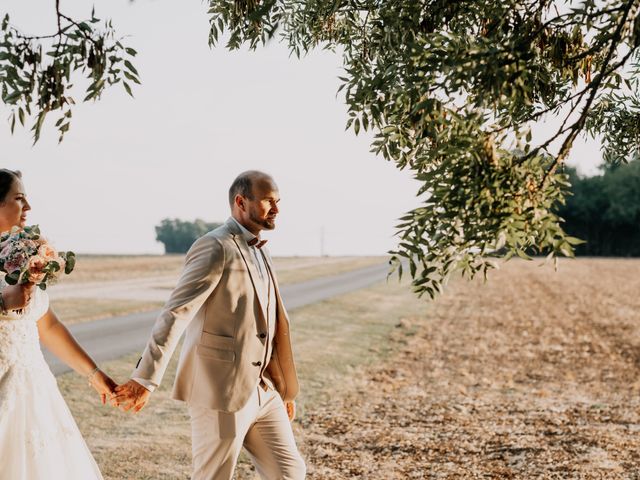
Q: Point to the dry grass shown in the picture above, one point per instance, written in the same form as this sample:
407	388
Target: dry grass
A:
531	376
93	269
72	310
295	270
100	268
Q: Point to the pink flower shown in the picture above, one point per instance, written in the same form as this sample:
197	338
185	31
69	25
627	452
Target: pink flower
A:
45	251
15	262
36	264
30	244
6	251
35	268
36	277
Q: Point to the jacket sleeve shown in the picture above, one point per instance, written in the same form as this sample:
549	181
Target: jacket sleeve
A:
203	268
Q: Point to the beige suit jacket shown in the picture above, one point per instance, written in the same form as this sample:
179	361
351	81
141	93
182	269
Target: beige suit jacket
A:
217	306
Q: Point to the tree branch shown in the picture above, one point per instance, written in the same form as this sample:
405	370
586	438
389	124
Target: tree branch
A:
579	124
58	15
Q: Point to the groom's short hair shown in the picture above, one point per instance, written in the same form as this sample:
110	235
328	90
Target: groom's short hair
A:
243	184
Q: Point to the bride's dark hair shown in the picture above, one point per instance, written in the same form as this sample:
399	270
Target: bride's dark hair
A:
7	178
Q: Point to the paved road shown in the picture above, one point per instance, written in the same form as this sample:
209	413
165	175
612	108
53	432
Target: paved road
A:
114	337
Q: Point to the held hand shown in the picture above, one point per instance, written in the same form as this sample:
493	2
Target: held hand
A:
130	395
16	297
291	410
104	385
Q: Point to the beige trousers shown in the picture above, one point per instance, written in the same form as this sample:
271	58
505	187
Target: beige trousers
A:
261	426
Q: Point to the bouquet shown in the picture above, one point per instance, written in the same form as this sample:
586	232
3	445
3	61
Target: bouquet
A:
26	257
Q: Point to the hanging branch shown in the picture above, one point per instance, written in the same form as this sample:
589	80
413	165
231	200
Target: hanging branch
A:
36	78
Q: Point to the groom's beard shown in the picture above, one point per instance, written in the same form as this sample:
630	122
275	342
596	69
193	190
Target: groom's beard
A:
265	223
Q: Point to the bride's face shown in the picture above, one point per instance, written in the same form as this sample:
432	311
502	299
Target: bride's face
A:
14	208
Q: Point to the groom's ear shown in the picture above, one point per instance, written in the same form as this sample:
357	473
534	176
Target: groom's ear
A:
139	360
239	202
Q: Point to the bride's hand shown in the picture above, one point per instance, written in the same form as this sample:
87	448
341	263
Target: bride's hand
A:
103	384
16	297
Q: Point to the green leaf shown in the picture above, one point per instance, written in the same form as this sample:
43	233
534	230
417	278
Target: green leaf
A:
70	259
12	278
85	27
127	88
131	77
130	66
574	241
13	97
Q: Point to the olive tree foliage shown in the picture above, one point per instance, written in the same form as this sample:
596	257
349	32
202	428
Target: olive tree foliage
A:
37	71
451	90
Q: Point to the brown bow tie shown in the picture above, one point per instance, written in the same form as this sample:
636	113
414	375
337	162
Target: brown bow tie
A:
257	243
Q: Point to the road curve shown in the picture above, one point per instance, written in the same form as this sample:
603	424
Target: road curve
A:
114	337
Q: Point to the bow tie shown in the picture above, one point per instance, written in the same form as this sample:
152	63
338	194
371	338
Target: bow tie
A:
254	242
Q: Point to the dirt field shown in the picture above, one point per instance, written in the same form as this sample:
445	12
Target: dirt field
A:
535	375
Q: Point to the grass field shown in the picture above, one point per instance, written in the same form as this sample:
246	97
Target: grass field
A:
534	375
100	268
92	269
72	310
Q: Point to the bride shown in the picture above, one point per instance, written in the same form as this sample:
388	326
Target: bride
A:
38	437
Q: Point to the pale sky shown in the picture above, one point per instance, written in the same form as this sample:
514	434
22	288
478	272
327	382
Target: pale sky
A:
201	117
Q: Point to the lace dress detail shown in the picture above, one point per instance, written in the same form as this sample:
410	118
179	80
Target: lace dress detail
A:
38	437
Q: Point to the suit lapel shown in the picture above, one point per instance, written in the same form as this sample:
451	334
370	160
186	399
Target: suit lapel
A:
257	282
280	311
267	261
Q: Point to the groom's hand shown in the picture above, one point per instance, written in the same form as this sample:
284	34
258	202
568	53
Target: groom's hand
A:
291	410
130	395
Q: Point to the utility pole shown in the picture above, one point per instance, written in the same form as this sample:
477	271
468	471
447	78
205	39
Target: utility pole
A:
322	241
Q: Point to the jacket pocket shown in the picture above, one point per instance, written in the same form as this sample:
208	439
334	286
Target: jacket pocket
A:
217	347
216	341
216	353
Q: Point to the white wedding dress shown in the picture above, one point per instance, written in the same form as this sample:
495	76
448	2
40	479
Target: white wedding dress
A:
39	438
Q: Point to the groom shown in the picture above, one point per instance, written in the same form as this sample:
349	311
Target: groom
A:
236	370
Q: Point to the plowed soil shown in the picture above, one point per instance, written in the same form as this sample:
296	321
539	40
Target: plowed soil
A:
535	374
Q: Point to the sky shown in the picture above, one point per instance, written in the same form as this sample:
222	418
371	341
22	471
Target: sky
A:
201	117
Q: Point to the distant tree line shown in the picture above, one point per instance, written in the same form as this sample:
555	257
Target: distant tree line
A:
178	235
605	211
